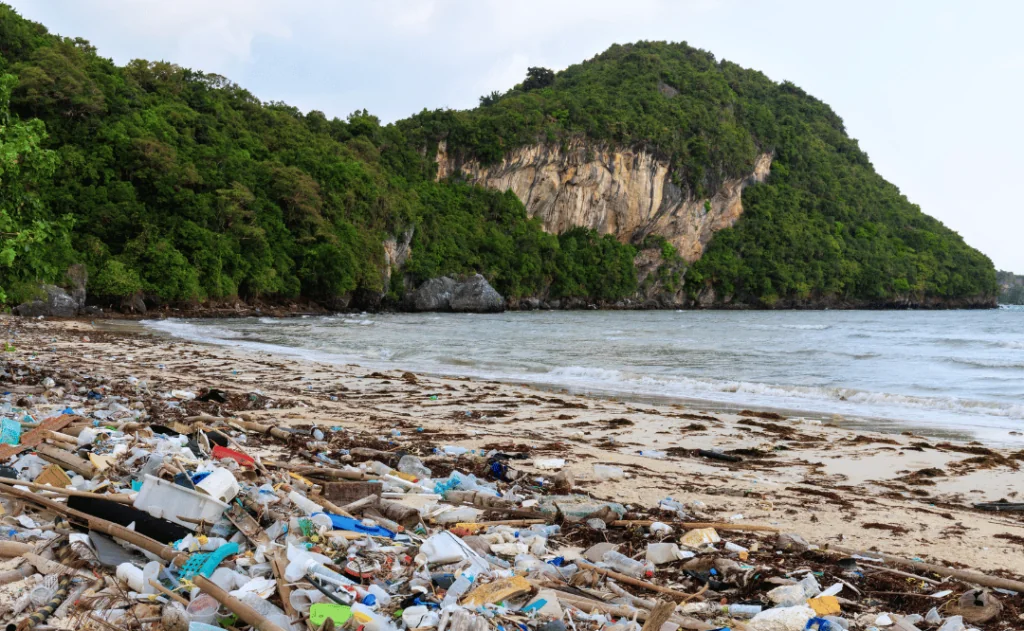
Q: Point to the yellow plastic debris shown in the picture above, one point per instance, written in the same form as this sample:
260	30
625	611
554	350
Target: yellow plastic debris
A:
825	605
497	591
102	463
700	537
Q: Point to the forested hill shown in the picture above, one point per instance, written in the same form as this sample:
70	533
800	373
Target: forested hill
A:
181	186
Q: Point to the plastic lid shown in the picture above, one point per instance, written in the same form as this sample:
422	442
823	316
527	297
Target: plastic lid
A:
370	600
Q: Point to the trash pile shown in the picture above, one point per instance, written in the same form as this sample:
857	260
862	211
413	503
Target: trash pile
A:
126	507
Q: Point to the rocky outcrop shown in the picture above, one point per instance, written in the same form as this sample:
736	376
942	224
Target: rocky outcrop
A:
55	302
472	295
475	295
625	192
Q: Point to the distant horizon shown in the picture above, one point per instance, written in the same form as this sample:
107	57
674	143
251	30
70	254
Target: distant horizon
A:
924	91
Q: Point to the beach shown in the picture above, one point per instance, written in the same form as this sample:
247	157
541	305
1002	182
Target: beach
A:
893	493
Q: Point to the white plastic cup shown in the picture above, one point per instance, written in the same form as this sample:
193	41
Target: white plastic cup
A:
203	608
138	578
220	484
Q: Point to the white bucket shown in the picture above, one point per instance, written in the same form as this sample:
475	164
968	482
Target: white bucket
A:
138	579
220	484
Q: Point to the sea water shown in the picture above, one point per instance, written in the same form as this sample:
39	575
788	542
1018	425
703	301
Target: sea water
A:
946	374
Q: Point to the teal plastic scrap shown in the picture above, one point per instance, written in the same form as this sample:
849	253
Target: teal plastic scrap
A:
10	432
204	563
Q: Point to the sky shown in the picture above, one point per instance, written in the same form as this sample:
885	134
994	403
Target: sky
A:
932	89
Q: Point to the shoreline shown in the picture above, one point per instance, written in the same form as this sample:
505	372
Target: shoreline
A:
904	495
901	420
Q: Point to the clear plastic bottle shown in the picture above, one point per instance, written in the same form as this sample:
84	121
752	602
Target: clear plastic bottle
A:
457	590
622	563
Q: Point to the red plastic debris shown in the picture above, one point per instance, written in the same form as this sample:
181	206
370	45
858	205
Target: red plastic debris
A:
220	453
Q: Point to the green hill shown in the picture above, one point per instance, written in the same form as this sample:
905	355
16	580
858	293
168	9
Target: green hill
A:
184	187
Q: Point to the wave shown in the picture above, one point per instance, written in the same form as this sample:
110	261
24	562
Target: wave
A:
788	327
780	395
981	363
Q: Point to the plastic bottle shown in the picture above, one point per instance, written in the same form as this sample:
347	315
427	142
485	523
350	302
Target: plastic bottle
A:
383	470
713	609
457	590
414	466
305	504
546	530
608	472
622	563
653	453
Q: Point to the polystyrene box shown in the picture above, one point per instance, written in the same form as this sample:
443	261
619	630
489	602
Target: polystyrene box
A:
162	498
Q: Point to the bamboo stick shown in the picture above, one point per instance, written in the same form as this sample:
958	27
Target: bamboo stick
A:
635	582
691	525
166	592
969	576
122	498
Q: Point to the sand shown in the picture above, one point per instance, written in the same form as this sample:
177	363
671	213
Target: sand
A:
907	495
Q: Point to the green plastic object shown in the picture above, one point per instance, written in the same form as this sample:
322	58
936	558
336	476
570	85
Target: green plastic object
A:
204	563
320	612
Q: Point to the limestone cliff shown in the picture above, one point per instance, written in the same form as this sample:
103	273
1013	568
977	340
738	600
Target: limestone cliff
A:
625	192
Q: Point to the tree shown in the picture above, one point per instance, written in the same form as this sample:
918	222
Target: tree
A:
490	99
24	166
537	78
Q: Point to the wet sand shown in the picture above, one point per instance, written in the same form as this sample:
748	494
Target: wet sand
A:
901	494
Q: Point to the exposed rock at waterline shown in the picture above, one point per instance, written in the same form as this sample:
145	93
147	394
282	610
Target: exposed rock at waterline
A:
472	295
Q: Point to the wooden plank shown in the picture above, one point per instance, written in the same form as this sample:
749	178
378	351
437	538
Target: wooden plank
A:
347	492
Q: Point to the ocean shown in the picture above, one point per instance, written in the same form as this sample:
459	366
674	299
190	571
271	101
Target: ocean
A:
944	374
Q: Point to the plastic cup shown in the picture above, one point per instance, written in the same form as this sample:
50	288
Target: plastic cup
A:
203	608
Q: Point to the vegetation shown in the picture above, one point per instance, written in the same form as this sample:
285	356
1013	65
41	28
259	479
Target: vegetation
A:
184	186
1011	287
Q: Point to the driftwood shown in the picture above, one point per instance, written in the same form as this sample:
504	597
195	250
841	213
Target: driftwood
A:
969	576
67	460
659	616
690	525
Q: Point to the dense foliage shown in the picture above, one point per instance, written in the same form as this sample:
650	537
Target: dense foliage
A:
1011	288
824	226
183	186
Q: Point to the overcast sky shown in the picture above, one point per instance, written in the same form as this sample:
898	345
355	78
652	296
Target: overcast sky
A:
934	90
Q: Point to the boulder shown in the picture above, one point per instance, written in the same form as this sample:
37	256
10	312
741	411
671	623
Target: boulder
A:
133	303
56	303
77	278
434	295
475	295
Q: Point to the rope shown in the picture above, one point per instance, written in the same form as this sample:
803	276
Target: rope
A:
40	615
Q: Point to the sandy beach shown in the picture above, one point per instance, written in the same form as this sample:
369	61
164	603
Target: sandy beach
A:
900	494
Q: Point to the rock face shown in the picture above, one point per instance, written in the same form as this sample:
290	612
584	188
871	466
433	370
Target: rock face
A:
57	303
472	295
625	192
476	295
434	295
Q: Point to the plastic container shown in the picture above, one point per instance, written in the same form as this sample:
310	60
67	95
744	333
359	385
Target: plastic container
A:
169	501
622	563
220	484
659	553
457	590
203	608
444	548
549	464
608	472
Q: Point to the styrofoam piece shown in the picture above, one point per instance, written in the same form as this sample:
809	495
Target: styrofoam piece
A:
167	500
